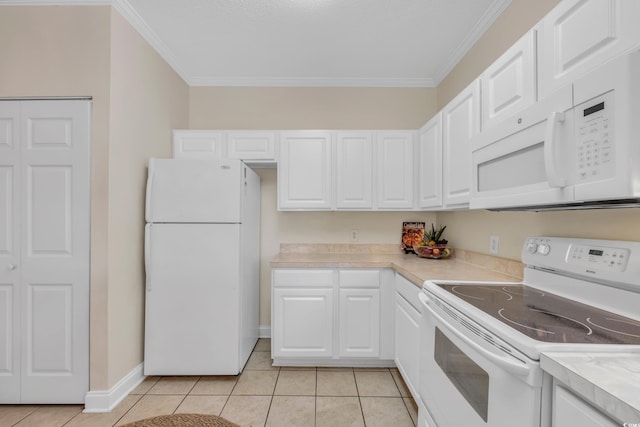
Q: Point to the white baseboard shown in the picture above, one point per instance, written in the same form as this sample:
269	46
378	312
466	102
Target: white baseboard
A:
265	331
104	401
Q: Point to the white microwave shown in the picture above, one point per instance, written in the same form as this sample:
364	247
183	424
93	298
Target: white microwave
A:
577	148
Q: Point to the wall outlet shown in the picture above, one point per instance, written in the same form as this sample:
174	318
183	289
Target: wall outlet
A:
493	245
354	235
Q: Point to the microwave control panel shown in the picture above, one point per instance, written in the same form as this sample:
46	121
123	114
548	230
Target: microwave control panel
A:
594	139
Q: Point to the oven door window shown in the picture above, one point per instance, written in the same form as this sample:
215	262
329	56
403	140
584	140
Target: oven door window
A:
470	379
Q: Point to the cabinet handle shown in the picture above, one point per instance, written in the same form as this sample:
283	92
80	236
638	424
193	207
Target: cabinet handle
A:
12	266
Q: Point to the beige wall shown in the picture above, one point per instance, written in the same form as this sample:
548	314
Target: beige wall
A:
137	99
471	229
310	108
313	108
517	19
64	51
148	100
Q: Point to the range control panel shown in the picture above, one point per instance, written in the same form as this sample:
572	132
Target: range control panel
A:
607	260
599	257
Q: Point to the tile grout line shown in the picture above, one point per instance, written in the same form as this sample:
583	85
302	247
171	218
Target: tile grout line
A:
187	394
266	420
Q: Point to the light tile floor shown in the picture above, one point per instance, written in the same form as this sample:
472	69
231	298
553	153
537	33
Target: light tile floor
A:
262	395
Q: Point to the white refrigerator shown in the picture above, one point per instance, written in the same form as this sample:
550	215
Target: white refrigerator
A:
202	243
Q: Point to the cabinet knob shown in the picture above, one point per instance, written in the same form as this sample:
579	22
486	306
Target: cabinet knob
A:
12	266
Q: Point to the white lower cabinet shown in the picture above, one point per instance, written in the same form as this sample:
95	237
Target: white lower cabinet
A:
332	317
303	322
570	410
407	332
359	322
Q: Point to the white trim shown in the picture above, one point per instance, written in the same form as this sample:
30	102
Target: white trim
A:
55	2
472	38
105	401
265	331
135	20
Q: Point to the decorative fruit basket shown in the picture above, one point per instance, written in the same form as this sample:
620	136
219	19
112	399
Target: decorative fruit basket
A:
433	245
434	252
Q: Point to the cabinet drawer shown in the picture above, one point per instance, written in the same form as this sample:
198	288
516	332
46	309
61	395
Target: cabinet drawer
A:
359	278
303	278
408	290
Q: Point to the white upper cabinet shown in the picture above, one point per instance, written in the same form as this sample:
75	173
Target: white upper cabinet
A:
198	144
430	164
460	123
259	146
354	170
395	169
304	171
369	170
509	84
579	35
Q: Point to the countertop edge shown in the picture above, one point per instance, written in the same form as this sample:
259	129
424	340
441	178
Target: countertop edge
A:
574	371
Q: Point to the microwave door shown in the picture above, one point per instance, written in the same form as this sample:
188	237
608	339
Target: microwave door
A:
525	161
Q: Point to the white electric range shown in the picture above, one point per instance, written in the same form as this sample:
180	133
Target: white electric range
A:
481	341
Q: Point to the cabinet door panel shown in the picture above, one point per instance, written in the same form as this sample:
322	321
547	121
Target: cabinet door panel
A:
430	167
251	145
395	170
579	35
359	322
197	144
354	164
570	410
407	335
302	323
460	122
304	171
509	84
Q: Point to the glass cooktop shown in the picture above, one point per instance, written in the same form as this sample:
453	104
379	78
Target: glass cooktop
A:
547	317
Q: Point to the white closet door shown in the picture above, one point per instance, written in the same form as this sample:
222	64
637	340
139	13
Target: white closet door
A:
9	252
54	266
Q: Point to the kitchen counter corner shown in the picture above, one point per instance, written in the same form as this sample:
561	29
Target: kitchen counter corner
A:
608	381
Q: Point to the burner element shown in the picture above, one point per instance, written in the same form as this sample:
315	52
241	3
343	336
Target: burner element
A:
547	317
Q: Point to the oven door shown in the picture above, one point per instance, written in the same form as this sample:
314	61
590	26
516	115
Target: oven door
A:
466	380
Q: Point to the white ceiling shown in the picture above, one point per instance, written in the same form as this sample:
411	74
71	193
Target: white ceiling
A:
308	42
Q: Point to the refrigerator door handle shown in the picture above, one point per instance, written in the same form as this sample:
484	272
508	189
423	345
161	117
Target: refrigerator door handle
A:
147	256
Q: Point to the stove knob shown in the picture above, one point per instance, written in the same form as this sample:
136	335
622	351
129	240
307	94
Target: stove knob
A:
532	248
544	249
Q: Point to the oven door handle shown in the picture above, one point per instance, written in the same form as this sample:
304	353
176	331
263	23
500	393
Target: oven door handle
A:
503	362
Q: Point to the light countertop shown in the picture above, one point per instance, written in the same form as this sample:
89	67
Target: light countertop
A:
609	381
462	266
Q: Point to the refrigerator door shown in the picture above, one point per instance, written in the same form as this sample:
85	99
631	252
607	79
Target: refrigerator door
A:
192	299
194	190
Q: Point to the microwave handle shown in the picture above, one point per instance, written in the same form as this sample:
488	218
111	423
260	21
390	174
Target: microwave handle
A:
554	177
507	364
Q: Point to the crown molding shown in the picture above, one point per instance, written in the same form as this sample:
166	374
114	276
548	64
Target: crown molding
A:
474	35
55	2
135	20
